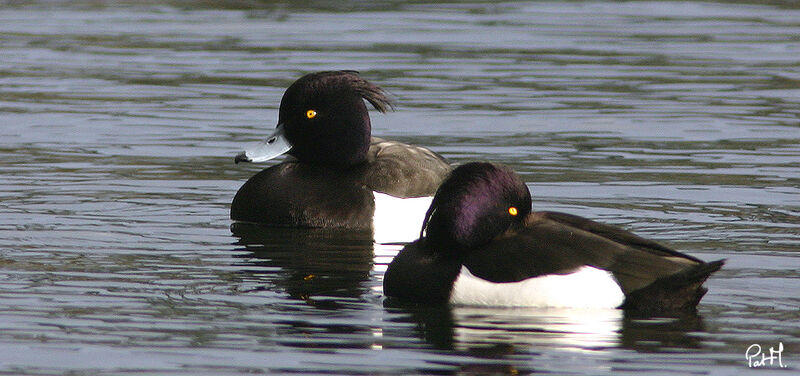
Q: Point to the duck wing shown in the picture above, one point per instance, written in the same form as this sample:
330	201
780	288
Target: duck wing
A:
403	170
558	243
615	233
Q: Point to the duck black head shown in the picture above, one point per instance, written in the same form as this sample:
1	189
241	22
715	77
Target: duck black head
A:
326	119
323	119
478	202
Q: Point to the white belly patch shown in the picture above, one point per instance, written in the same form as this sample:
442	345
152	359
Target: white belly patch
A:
398	219
588	287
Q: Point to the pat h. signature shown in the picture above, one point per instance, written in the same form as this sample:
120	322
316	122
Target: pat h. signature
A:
753	354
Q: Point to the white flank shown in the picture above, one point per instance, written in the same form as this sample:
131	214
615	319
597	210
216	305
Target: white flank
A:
588	287
398	219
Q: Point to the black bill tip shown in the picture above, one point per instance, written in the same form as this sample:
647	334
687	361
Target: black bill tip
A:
241	157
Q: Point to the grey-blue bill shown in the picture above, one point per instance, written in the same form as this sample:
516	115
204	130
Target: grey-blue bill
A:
275	145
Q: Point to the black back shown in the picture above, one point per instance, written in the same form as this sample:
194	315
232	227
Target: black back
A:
403	170
558	243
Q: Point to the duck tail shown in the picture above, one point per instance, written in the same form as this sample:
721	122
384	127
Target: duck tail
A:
676	294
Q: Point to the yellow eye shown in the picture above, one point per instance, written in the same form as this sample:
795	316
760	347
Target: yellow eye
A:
512	210
311	114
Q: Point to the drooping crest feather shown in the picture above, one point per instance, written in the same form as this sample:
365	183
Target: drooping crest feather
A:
351	80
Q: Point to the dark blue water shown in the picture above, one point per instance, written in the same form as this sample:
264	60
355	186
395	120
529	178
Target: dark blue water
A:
119	121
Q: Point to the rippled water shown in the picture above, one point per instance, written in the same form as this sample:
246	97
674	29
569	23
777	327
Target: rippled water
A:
119	122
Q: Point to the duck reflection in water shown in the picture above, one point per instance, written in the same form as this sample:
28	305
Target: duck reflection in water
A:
332	262
503	333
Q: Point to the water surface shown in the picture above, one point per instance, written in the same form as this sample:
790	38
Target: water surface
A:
679	120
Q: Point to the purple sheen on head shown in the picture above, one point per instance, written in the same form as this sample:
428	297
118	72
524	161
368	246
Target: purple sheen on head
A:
471	206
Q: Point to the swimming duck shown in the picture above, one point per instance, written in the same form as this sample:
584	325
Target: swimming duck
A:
337	173
481	244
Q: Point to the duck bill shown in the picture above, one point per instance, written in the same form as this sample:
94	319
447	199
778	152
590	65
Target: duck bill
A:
275	145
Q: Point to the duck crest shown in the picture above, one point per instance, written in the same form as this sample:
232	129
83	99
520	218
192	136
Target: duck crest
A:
348	81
